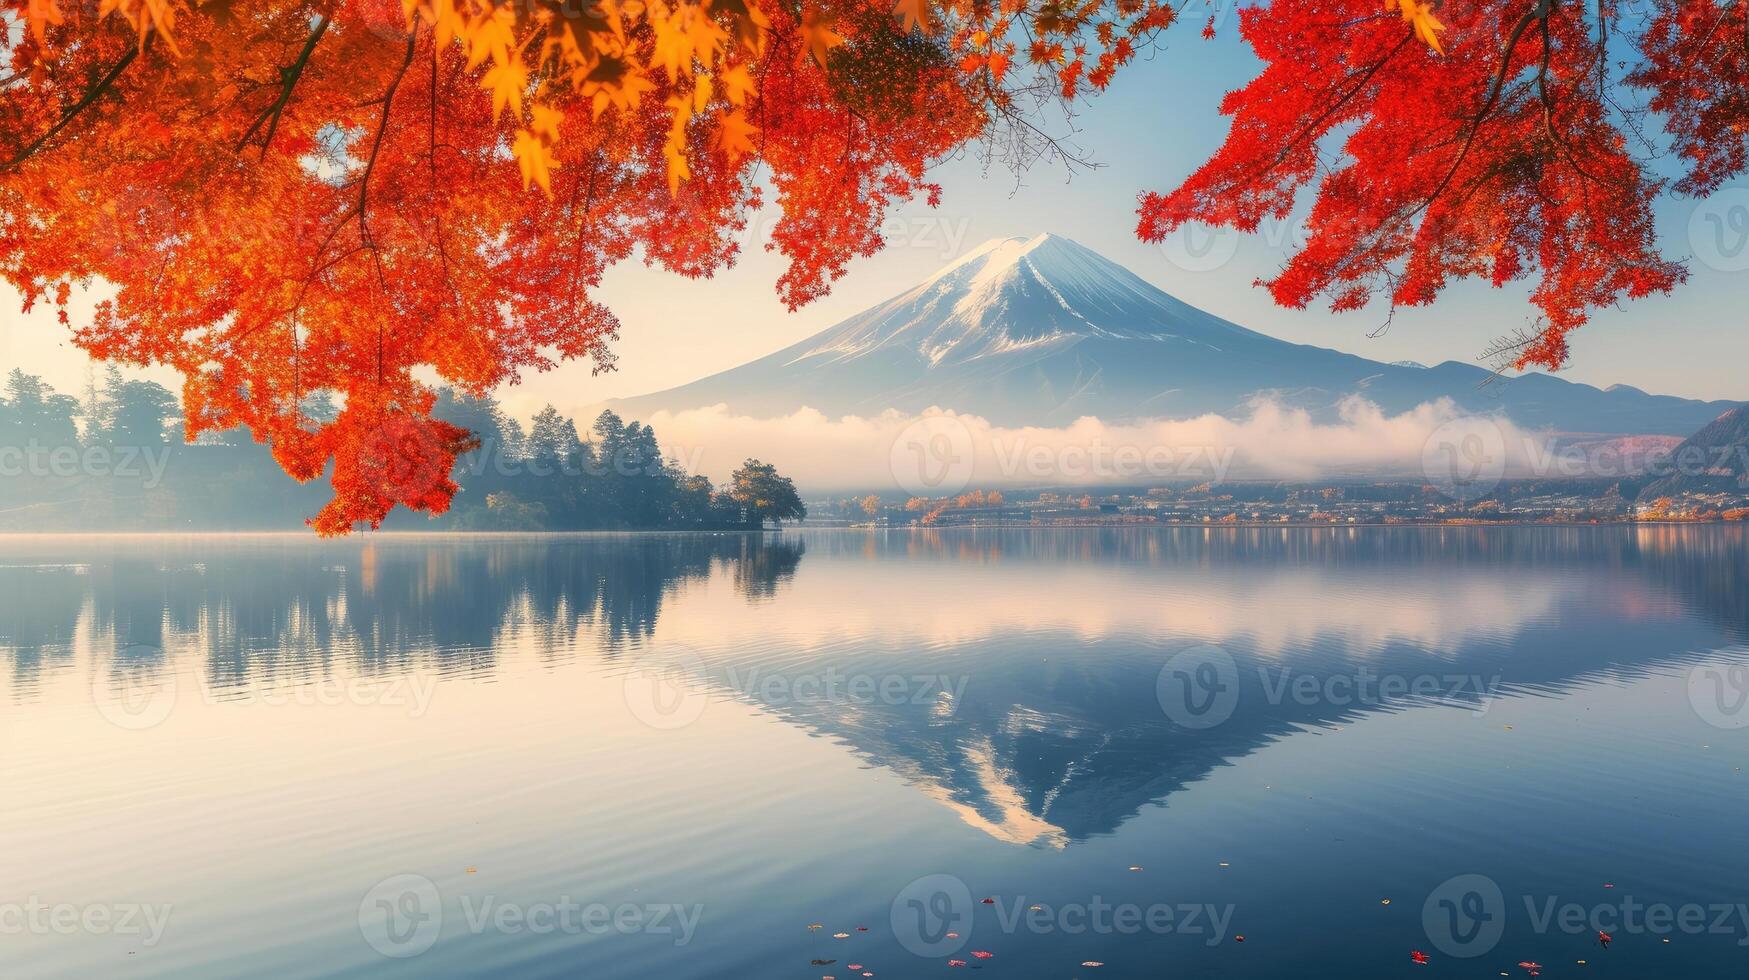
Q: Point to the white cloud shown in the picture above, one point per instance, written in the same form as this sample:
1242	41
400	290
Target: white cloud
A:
941	451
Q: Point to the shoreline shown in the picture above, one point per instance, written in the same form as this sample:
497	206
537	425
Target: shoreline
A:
305	534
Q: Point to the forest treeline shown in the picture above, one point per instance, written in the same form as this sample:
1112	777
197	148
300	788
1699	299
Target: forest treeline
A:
115	460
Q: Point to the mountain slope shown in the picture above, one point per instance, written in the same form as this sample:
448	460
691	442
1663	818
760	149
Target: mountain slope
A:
1713	460
1042	331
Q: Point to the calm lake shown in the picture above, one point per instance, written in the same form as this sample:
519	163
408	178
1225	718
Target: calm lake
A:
1090	753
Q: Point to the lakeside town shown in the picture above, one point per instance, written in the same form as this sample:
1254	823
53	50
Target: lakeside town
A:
1565	501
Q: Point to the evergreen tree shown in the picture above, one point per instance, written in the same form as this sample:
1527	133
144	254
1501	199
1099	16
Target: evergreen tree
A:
140	413
31	412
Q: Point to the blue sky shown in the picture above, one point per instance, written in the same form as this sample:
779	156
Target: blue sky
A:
1156	124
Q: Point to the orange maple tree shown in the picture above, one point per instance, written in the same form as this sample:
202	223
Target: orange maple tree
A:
349	196
358	197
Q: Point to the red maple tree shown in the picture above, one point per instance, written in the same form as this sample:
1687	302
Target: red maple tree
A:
1512	144
355	196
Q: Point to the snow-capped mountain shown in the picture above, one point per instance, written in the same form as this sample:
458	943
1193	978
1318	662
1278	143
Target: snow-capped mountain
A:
1042	331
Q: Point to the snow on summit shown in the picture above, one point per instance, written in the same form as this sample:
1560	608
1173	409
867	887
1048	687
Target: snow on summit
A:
1011	295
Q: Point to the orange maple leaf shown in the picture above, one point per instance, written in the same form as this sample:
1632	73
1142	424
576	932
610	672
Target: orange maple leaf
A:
737	84
818	37
535	160
735	137
1419	15
42	13
915	14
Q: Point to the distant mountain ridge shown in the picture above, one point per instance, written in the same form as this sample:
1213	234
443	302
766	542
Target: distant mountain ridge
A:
1042	331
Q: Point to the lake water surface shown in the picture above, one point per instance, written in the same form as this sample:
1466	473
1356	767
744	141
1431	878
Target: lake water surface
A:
848	753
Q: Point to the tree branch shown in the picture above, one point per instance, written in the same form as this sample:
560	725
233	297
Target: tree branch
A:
289	80
376	146
1314	125
1539	8
91	96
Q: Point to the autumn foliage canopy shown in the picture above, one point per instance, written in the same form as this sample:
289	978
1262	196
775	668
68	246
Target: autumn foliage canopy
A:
357	197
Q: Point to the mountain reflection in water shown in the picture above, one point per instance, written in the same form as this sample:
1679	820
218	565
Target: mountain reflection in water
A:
1027	663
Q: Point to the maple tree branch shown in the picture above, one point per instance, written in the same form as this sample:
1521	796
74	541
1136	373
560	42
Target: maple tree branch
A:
377	147
1540	7
432	126
1547	96
318	267
1724	11
1333	108
91	96
364	186
289	80
1052	145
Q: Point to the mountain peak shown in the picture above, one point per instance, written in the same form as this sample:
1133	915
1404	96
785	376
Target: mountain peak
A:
998	254
1017	296
1044	331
